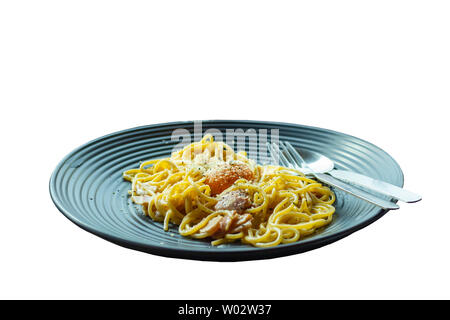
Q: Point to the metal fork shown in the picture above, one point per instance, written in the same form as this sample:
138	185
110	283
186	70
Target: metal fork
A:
288	157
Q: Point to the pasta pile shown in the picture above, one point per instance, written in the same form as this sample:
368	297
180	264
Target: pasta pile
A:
210	191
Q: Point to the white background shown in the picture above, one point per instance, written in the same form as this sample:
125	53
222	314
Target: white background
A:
71	71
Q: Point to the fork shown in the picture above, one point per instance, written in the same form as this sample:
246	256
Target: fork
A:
290	158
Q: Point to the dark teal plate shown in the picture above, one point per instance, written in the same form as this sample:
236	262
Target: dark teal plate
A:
87	187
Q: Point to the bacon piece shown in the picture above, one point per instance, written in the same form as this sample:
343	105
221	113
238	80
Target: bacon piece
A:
243	222
234	224
237	200
212	226
226	223
225	175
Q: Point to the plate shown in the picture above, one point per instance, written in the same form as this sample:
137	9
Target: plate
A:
88	188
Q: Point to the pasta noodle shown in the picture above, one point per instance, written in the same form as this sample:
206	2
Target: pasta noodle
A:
210	191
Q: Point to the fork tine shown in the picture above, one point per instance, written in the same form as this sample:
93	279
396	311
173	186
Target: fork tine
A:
282	158
273	155
271	152
294	153
289	155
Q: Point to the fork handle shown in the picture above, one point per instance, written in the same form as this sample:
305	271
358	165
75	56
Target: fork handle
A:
388	205
379	186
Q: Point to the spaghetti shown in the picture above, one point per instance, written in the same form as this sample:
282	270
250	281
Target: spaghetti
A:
210	191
